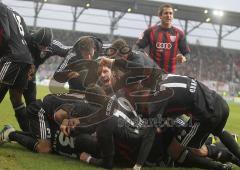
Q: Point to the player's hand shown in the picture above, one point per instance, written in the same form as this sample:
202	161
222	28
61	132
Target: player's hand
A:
31	72
84	157
74	122
68	124
73	74
104	61
181	58
65	128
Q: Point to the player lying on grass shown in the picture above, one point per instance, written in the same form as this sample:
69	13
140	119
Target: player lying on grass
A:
45	135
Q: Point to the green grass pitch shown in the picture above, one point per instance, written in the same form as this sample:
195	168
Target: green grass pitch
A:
15	157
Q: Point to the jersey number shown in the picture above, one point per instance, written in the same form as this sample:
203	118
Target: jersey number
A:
20	27
66	141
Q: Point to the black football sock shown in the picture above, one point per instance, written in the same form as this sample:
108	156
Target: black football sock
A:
228	140
20	113
188	159
25	140
220	153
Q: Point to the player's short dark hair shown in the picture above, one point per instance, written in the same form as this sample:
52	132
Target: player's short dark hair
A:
161	8
119	43
84	44
43	36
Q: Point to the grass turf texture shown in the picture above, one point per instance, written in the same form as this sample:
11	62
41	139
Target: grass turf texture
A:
13	156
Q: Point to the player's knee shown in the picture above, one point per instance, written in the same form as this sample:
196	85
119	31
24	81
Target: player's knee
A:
44	146
203	151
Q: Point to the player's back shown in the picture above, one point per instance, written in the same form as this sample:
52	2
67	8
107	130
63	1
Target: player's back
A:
184	89
15	30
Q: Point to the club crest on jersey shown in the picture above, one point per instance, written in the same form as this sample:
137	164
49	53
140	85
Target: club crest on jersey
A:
172	38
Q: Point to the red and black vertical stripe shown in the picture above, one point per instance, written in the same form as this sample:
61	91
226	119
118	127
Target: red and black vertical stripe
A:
158	37
1	35
174	51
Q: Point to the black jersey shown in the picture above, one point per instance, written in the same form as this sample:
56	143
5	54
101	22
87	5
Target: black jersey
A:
56	48
137	67
87	70
64	145
190	97
15	30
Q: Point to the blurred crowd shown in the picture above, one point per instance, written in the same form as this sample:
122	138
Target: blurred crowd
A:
210	63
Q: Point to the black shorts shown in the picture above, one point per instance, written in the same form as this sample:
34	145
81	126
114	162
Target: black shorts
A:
221	115
13	74
38	123
194	135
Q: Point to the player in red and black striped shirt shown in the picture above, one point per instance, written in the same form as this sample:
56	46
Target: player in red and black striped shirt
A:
165	41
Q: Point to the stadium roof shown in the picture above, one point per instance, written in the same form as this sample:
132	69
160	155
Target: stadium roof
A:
148	7
227	21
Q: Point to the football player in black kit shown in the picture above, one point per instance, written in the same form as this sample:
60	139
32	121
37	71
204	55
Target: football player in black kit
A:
79	68
15	60
42	47
45	136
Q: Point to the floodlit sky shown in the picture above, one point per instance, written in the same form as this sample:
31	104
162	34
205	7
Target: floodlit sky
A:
228	5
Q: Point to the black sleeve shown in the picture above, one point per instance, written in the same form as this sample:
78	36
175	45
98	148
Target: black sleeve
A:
57	48
183	46
73	63
94	119
63	69
104	113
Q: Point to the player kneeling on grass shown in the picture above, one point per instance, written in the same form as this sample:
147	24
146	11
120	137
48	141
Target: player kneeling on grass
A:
209	113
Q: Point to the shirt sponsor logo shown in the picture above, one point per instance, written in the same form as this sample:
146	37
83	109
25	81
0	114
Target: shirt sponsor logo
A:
160	45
